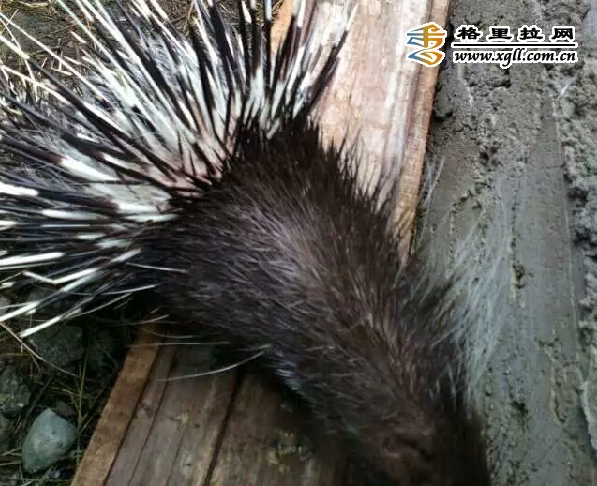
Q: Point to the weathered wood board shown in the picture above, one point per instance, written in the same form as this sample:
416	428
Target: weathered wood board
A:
228	430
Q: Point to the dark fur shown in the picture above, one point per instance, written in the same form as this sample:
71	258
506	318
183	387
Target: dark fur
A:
289	252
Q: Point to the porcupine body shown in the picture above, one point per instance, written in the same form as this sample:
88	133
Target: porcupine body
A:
190	171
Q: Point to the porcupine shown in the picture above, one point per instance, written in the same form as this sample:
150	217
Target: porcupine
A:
192	171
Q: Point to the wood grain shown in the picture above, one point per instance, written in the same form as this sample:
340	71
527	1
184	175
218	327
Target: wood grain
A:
173	436
267	436
225	430
380	98
113	423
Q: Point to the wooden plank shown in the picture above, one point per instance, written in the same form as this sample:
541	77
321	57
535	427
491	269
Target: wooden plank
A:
220	430
382	95
263	445
113	423
173	436
418	127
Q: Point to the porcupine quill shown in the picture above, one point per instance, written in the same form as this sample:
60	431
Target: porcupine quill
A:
191	171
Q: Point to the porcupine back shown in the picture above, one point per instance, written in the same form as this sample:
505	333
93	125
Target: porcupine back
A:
192	172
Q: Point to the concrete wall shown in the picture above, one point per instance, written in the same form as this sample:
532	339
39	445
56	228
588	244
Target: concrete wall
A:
536	127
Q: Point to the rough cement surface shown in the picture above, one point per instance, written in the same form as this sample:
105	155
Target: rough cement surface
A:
577	105
535	128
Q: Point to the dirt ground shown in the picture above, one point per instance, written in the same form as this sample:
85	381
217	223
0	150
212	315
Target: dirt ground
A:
533	125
